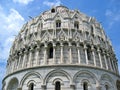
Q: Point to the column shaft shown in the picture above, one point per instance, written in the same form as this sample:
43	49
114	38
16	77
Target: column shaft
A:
45	56
86	56
61	53
106	62
54	55
101	65
37	57
70	52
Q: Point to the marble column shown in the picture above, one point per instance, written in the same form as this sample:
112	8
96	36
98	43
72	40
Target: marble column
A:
15	64
54	55
37	55
94	60
24	59
86	58
98	50
61	45
30	57
70	52
106	63
45	54
19	62
78	50
109	61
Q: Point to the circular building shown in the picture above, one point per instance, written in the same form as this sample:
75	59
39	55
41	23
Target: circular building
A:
62	49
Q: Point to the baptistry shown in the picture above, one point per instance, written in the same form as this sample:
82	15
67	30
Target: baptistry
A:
62	49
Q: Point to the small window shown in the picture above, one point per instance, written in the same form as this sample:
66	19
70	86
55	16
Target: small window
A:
53	10
50	51
76	25
92	29
31	87
85	86
57	86
106	87
58	24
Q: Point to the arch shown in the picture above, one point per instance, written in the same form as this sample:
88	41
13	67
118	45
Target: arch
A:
107	77
76	25
106	85
118	84
28	74
57	71
31	84
58	23
57	79
13	84
86	72
53	10
31	81
107	80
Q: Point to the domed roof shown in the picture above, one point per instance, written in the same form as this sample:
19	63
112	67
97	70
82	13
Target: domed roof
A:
77	33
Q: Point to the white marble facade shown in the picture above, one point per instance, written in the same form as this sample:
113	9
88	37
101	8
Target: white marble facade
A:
62	49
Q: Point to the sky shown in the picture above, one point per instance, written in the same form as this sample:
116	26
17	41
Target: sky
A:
14	13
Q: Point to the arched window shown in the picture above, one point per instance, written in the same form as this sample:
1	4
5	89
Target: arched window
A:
106	87
76	25
58	23
118	84
57	85
53	10
50	51
31	86
85	86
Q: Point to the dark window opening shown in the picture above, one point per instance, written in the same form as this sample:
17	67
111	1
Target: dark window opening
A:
85	86
50	51
106	87
89	53
57	86
53	10
76	25
31	87
58	24
92	30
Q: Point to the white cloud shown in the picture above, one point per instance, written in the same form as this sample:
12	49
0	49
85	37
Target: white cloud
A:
50	4
113	16
10	25
23	1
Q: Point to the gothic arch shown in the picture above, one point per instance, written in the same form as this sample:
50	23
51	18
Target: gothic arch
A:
29	74
56	71
13	84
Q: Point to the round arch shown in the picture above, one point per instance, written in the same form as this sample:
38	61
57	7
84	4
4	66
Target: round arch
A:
13	84
28	74
118	84
57	71
86	72
107	79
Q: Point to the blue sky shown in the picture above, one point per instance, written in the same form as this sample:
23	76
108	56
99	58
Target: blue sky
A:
14	13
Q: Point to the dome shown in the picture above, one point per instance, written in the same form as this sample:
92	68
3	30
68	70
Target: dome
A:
71	30
62	38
